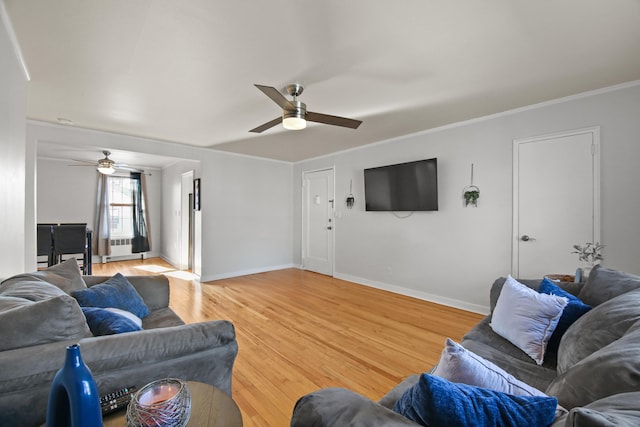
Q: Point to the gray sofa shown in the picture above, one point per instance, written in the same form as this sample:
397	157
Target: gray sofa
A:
38	320
595	373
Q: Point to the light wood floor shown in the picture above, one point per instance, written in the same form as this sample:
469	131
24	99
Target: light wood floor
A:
299	331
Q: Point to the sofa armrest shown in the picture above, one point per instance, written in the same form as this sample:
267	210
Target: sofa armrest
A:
154	290
390	399
340	407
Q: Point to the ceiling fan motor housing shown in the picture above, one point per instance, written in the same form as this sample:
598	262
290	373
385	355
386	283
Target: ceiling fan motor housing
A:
105	163
299	110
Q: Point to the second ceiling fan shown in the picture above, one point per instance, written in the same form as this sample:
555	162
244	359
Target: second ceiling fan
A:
295	114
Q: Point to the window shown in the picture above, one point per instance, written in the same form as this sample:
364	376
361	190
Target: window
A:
120	207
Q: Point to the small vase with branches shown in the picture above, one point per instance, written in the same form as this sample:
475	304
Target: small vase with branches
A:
591	253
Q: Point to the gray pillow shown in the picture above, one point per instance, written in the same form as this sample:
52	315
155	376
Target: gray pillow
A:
611	370
30	289
65	276
598	328
25	323
605	283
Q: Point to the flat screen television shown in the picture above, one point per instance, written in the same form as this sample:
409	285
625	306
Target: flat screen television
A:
411	186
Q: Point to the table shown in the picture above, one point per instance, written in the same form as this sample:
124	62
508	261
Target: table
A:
210	407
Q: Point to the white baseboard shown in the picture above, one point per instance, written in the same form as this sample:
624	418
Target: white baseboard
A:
172	262
475	308
245	272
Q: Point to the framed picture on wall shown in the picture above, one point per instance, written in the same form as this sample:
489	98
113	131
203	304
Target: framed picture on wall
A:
196	194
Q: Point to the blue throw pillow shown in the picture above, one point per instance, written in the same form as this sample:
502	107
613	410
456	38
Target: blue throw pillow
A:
105	322
434	401
116	292
572	312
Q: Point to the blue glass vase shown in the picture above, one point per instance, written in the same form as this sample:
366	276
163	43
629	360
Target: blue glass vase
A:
74	399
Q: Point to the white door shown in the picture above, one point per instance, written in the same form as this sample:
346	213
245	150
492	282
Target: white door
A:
317	221
556	201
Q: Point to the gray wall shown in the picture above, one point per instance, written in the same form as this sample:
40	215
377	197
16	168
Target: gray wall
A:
13	166
453	255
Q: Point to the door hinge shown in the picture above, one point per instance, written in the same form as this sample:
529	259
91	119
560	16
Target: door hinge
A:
593	149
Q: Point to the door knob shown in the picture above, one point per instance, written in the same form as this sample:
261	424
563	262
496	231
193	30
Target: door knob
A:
525	238
329	228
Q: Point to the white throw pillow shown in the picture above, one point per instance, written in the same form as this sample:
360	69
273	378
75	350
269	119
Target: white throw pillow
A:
459	365
527	318
129	315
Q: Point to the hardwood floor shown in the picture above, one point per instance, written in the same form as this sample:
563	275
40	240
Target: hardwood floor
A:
299	331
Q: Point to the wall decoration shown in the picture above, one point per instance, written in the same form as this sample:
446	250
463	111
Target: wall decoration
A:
471	193
196	194
350	200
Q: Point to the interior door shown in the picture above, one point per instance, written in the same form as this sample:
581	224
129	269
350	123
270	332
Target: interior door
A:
556	201
317	226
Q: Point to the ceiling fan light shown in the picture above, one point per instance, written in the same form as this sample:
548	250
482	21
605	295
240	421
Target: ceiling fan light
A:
294	119
106	170
294	123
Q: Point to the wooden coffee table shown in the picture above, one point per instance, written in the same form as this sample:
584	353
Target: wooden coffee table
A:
210	407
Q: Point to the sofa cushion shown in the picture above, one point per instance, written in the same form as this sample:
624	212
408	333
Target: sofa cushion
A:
613	369
460	365
620	410
598	328
434	401
604	284
25	323
116	292
104	322
65	276
527	318
572	312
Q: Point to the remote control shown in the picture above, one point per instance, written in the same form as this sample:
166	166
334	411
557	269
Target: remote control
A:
114	401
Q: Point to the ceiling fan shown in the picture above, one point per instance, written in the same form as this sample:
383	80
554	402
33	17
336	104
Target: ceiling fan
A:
295	114
105	166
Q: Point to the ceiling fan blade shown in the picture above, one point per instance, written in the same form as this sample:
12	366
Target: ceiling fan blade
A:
267	125
120	166
276	96
86	162
333	120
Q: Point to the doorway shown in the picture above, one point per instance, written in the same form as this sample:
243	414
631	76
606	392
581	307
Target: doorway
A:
556	201
186	222
317	221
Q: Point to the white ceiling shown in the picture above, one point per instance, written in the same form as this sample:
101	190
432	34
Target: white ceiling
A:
184	71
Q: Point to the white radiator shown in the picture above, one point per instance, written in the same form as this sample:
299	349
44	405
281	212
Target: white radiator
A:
121	250
120	247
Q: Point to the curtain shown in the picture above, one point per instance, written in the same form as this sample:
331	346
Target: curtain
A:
140	241
102	236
